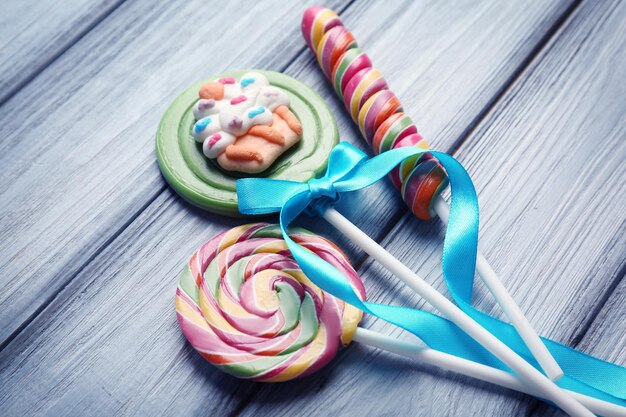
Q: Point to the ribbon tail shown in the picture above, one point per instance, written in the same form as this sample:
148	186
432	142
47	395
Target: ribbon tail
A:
349	171
584	374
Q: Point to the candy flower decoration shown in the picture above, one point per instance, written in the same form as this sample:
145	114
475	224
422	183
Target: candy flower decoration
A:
241	123
246	306
246	125
384	125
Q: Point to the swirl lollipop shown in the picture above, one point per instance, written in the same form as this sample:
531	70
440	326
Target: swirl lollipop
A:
384	125
244	304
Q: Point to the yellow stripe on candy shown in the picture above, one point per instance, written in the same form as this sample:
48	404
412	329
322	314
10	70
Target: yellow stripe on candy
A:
317	30
355	100
301	364
349	322
229	306
363	113
272	247
262	331
231	237
264	296
190	313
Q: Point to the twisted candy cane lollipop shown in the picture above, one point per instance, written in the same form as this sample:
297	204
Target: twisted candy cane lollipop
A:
373	107
245	306
378	113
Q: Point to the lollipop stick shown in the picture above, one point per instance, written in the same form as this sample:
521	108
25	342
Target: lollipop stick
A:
474	369
508	305
383	123
527	372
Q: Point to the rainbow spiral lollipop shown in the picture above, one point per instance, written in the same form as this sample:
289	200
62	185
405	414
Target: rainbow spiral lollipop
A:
373	107
246	307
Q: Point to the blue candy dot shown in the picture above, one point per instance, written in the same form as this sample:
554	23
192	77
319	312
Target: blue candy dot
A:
201	124
247	81
255	112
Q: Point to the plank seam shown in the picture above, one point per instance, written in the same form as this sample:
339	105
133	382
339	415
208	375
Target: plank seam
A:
520	71
257	386
578	338
478	120
535	404
73	41
542	45
126	224
80	269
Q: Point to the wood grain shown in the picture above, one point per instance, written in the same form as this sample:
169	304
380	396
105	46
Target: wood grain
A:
108	239
121	351
106	95
552	196
95	167
605	337
34	33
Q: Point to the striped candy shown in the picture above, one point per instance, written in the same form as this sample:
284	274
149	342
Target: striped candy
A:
373	107
244	304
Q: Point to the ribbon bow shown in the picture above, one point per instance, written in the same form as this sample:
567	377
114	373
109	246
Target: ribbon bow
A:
344	173
349	169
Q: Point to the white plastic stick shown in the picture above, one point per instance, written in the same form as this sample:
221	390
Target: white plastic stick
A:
546	387
474	369
530	337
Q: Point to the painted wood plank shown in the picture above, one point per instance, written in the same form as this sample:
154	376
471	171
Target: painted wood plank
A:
122	352
547	163
605	337
108	342
105	98
98	170
34	33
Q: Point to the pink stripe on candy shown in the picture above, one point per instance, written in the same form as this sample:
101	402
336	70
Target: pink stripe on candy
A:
238	99
214	139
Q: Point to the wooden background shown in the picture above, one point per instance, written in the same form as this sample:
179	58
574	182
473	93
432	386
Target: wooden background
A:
528	95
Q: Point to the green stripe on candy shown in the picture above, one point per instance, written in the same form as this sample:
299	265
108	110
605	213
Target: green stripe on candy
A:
392	134
273	230
308	324
253	368
235	274
289	302
212	277
340	68
187	283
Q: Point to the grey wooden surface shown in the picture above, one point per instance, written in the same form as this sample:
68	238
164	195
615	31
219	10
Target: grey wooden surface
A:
529	96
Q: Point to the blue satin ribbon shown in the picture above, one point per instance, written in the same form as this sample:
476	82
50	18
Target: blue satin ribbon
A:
349	169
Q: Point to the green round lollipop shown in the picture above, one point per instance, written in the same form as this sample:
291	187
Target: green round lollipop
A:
203	183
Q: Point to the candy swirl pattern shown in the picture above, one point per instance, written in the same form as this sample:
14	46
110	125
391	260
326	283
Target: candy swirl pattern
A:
244	304
373	107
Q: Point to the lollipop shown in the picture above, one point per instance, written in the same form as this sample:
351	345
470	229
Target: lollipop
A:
373	107
384	125
238	124
244	304
245	124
